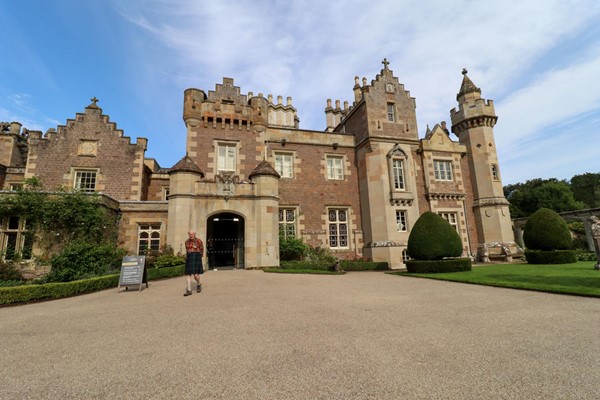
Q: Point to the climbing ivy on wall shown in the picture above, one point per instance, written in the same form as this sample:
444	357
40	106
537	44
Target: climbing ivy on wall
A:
58	218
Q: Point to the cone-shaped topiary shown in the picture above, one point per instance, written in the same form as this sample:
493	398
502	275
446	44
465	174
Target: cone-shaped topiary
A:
433	238
546	230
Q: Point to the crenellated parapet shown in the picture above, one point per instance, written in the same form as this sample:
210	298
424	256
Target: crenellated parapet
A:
227	108
13	143
476	113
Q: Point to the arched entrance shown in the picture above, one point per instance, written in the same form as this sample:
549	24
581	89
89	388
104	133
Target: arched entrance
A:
225	241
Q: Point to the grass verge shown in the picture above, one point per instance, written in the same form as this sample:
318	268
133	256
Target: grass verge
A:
575	279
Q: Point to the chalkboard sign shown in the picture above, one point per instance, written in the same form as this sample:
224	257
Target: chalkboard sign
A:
133	272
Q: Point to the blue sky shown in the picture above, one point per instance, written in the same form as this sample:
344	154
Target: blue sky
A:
538	61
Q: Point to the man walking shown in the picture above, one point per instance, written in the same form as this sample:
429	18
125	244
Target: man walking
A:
193	262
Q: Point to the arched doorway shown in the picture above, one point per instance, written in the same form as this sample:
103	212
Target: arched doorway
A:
225	241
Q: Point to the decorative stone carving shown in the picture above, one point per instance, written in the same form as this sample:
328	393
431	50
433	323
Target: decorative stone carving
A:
445	196
596	236
499	250
226	181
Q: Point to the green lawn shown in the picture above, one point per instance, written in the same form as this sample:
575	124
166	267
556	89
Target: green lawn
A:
577	279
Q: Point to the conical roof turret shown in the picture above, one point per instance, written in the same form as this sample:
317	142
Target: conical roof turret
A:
186	164
264	168
468	90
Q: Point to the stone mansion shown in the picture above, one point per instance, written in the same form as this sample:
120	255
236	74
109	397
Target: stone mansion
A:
251	175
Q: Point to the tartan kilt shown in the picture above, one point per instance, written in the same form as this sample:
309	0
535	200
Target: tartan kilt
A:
193	264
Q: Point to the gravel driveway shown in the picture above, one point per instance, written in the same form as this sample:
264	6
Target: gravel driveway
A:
254	335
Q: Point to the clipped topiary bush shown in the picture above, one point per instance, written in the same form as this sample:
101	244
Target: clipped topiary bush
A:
548	239
433	238
437	266
546	230
551	257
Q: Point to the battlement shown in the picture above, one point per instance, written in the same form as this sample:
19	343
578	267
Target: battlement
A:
478	110
226	106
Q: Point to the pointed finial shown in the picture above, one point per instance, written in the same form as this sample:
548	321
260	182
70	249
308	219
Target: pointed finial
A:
385	63
464	71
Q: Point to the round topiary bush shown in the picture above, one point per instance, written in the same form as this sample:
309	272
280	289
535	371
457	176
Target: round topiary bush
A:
433	238
546	230
548	239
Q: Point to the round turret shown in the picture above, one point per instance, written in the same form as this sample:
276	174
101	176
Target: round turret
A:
260	105
192	112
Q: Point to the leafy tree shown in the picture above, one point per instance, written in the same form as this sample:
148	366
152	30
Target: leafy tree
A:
586	188
526	198
433	238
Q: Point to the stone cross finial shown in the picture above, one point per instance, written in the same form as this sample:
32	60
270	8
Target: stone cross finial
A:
464	71
94	100
385	63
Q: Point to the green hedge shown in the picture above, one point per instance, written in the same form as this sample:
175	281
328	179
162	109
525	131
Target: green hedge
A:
305	265
551	257
435	266
364	266
34	292
344	266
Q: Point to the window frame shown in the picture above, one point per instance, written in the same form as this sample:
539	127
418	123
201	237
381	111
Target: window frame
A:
398	180
391	112
332	169
148	228
402	218
445	173
228	158
340	228
77	181
447	216
285	223
23	243
281	169
495	172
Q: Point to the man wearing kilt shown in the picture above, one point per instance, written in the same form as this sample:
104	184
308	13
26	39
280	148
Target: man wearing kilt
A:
193	262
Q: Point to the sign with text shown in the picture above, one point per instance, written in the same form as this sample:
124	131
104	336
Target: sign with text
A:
133	272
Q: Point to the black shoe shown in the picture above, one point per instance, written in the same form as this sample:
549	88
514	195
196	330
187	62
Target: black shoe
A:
199	288
187	293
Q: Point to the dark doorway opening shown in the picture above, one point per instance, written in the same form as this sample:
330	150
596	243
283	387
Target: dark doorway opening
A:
225	241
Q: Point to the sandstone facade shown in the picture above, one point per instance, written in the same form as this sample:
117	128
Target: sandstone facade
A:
251	174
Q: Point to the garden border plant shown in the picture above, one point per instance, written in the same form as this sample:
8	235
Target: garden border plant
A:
56	290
